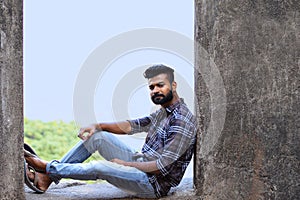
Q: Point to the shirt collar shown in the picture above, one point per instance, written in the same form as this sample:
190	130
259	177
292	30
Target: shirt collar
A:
171	107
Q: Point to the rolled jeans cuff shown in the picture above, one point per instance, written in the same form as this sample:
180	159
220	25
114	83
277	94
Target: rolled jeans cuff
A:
53	176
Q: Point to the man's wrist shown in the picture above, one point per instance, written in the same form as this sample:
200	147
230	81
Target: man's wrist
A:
98	127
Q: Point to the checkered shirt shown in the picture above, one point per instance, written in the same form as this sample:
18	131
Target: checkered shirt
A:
170	142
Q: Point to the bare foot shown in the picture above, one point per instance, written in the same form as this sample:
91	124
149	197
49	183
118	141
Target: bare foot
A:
35	162
44	181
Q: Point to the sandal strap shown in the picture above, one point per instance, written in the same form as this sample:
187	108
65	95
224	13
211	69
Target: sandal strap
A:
31	185
36	178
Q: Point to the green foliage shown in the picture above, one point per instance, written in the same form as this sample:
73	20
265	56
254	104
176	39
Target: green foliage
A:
52	140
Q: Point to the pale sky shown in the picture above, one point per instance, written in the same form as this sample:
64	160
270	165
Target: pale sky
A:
59	37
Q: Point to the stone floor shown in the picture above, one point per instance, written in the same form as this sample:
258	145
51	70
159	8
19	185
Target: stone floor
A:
72	190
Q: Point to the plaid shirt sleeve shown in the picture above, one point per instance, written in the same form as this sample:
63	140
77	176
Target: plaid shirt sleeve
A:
182	134
141	124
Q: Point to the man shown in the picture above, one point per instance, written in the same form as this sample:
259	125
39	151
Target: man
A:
165	155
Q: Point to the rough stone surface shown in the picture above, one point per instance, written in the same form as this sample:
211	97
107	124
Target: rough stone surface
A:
256	49
11	99
71	190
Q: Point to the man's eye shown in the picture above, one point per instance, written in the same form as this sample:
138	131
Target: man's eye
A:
151	87
160	85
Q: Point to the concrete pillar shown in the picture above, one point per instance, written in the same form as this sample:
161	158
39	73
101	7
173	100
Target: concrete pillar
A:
11	103
248	89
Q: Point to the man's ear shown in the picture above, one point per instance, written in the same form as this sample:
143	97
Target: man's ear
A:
174	86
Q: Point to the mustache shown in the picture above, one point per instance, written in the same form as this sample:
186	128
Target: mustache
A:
158	95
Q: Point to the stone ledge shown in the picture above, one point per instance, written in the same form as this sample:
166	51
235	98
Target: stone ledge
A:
71	190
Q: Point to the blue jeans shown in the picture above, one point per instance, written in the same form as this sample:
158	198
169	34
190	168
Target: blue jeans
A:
129	179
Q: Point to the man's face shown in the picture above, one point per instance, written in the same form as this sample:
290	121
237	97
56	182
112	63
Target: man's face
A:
160	89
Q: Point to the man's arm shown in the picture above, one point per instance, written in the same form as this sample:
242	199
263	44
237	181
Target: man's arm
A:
148	167
117	128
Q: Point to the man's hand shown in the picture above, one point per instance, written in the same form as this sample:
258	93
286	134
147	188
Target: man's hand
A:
86	132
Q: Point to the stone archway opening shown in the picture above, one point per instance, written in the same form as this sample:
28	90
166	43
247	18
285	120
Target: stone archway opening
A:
256	48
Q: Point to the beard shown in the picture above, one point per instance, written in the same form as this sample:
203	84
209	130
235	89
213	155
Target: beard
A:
163	99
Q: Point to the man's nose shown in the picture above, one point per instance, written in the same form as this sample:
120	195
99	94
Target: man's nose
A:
155	90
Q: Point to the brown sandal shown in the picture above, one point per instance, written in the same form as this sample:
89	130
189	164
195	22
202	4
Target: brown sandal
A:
31	185
29	152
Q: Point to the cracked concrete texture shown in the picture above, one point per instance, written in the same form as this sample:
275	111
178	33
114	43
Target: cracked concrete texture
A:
254	47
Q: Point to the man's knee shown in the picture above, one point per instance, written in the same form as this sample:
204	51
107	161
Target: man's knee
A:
94	142
100	135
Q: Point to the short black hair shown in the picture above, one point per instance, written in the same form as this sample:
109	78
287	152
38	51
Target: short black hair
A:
157	69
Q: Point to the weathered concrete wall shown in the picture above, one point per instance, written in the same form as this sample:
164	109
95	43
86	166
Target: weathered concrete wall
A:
11	103
254	46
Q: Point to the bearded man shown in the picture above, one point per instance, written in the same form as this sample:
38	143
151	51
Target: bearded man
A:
166	153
